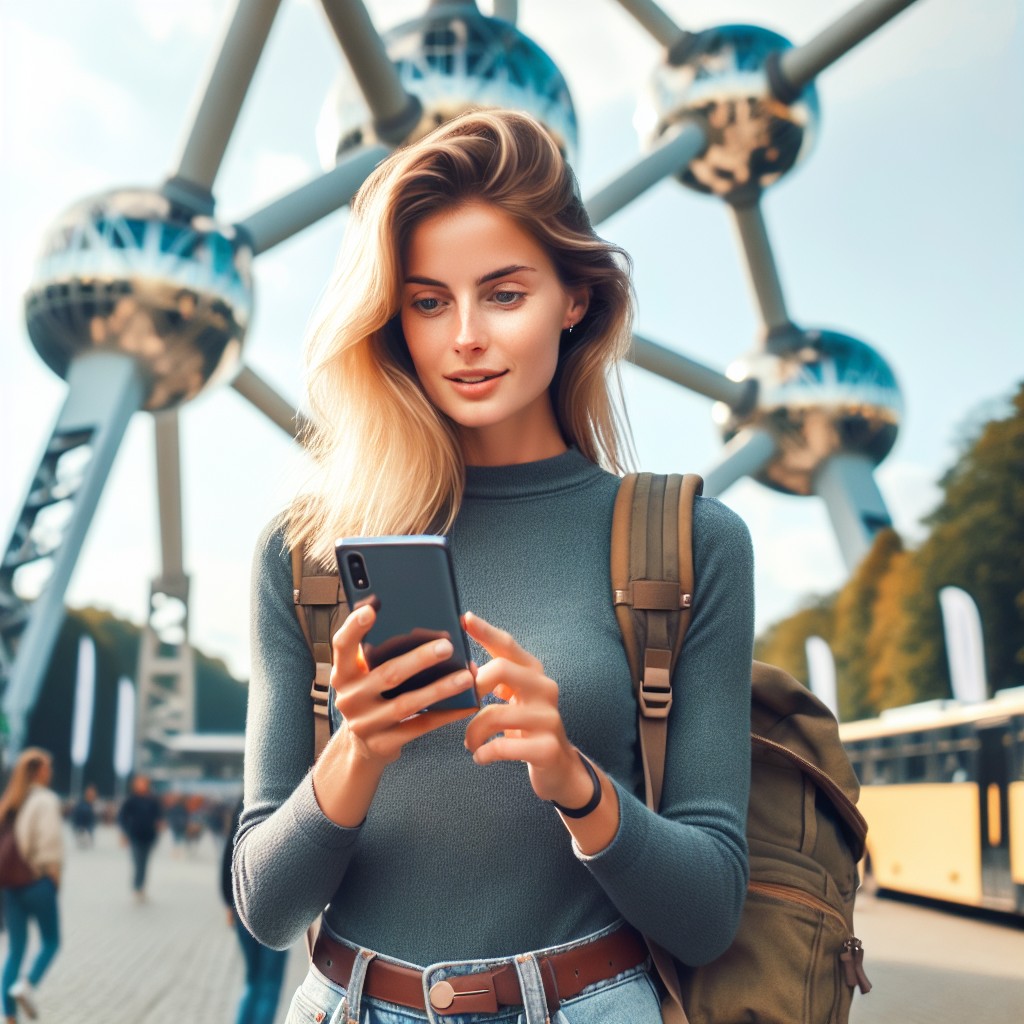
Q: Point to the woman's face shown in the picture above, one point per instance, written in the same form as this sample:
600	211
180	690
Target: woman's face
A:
482	312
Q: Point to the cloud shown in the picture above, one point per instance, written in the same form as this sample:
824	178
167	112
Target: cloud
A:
161	20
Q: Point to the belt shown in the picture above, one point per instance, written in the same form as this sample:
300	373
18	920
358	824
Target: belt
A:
564	975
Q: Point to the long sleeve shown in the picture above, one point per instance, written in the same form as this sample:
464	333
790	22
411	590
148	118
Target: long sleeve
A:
680	876
39	833
289	858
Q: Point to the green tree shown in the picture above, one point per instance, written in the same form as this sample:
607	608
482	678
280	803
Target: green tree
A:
784	643
853	613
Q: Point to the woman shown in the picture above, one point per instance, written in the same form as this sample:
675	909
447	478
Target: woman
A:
38	832
458	383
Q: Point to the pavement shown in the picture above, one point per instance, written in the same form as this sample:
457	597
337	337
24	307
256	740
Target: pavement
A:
175	960
170	960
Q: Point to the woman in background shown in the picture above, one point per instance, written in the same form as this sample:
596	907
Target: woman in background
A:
38	827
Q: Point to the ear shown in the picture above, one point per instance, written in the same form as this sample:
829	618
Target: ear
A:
579	301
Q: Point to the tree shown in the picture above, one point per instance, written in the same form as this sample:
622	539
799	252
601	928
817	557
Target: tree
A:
784	644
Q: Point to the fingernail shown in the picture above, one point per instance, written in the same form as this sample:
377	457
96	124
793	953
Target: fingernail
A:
443	648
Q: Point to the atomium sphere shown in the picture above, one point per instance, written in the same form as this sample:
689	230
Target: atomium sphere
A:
130	271
753	138
833	395
454	59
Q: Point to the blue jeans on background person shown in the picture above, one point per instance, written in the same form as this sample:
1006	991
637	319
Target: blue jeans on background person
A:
627	998
39	901
264	973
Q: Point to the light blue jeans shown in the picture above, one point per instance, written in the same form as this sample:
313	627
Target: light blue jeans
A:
628	998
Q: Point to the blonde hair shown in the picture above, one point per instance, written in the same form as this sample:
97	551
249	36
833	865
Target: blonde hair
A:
25	772
387	461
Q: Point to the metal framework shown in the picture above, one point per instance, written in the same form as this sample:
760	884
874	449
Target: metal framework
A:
125	344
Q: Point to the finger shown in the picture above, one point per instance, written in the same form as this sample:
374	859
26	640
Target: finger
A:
497	642
508	719
399	669
513	682
397	709
345	642
533	750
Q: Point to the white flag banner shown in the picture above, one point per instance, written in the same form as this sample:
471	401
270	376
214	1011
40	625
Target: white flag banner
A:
821	667
965	647
124	731
85	698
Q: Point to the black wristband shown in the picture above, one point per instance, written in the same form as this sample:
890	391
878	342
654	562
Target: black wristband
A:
591	804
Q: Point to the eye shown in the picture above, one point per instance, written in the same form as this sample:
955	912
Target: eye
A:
427	305
507	298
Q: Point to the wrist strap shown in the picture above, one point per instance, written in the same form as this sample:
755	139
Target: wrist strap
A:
591	804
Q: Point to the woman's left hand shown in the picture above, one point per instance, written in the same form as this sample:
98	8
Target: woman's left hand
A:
530	723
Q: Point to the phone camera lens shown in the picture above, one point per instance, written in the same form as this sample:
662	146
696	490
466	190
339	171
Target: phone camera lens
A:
357	569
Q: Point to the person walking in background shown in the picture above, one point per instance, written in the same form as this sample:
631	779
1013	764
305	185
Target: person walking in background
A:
264	967
38	833
83	818
178	821
140	819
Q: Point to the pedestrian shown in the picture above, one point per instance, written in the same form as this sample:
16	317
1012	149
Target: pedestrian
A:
461	373
38	832
264	967
177	816
140	819
83	818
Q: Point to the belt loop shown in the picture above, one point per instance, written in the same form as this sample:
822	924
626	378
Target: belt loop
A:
535	1004
351	1005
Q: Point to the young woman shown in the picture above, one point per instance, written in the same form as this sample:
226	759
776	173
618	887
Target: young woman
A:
38	826
498	868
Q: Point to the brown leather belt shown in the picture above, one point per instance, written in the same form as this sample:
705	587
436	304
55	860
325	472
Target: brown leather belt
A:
564	975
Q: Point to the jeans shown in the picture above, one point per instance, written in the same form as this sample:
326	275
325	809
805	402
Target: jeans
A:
264	972
627	998
140	859
39	901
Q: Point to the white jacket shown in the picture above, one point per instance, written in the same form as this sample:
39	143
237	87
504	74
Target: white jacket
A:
39	830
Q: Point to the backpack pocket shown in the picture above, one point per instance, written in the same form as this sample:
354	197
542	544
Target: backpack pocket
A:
783	967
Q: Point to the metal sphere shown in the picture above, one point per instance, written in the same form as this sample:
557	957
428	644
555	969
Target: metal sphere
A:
454	59
753	138
833	395
130	271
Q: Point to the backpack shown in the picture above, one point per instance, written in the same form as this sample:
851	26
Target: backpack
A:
795	957
15	872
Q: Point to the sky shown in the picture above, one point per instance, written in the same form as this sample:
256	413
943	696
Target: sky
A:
902	227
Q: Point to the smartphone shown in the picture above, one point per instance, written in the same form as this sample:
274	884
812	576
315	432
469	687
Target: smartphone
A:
410	583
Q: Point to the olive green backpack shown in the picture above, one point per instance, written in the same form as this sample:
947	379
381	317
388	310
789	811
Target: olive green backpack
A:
795	958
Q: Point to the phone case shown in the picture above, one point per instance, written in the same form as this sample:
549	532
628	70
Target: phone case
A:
410	582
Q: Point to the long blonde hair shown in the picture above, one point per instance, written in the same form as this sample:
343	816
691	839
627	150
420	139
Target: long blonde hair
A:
387	461
26	771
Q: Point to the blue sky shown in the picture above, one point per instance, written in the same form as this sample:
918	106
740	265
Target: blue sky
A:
903	228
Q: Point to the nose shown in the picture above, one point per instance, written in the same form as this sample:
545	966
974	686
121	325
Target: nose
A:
471	335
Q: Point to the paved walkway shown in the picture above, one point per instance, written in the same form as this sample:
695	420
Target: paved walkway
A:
171	960
174	960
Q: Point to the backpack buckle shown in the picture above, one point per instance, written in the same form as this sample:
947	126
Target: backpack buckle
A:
655	695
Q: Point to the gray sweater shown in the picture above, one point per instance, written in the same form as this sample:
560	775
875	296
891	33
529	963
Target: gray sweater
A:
460	861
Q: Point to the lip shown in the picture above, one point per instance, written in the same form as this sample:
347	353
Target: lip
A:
476	383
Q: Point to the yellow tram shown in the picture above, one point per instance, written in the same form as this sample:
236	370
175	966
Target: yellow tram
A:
943	794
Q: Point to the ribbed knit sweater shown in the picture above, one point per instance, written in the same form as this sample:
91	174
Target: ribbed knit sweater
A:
461	861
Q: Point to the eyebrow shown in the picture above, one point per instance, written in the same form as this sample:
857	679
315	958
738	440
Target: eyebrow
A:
492	276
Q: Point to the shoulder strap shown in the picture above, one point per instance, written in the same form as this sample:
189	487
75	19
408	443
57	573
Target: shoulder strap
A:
652	590
321	607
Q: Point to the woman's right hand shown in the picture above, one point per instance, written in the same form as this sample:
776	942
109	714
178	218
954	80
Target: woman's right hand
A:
376	727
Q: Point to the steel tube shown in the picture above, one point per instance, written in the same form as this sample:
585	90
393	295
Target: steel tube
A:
670	157
761	268
655	21
799	65
847	485
225	90
255	390
680	369
744	455
168	487
297	210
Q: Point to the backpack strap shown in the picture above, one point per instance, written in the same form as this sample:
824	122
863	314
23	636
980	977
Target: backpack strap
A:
652	591
321	608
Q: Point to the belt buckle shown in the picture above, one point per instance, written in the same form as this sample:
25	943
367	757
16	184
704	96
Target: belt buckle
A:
464	993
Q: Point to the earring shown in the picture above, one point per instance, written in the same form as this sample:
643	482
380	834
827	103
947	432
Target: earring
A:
571	326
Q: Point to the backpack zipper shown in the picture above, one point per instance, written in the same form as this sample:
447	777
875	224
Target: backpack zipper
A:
852	955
